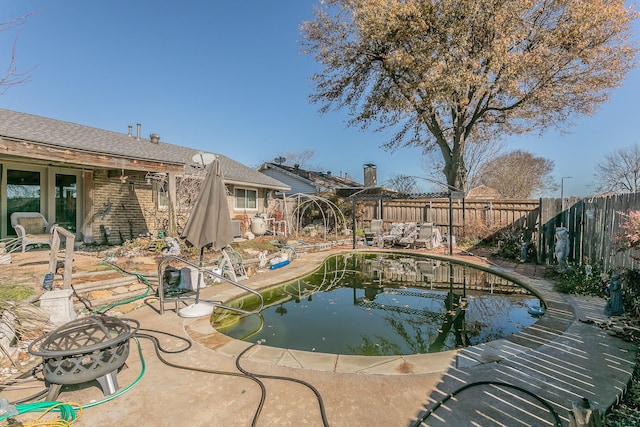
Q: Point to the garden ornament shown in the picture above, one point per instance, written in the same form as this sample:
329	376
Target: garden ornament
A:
614	305
562	247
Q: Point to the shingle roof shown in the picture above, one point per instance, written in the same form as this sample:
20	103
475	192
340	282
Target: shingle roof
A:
46	131
325	179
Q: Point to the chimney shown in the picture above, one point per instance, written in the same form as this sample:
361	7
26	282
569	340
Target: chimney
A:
130	131
155	138
138	131
370	178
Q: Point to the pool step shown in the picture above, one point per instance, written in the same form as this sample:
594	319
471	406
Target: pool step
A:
108	287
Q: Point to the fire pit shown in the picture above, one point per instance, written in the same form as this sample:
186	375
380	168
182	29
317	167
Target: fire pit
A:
87	349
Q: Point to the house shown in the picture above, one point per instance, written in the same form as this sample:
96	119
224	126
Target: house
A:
106	186
310	182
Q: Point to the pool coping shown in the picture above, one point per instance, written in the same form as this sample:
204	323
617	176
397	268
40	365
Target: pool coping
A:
558	317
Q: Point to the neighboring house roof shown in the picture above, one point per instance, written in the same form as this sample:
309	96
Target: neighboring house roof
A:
61	134
319	181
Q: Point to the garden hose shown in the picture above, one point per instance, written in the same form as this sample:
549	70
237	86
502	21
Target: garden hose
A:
158	349
66	410
69	412
105	308
315	391
427	414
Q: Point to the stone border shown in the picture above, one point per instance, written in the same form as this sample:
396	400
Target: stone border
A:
558	317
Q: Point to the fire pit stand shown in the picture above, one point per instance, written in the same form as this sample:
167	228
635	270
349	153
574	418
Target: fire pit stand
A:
86	349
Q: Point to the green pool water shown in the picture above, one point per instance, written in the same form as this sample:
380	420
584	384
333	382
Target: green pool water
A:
384	304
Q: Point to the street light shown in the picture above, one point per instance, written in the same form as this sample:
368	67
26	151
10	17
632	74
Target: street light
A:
562	187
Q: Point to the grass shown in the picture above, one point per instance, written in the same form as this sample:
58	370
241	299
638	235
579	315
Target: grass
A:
15	292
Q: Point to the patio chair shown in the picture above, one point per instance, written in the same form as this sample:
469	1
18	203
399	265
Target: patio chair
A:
374	233
409	234
395	234
32	228
429	236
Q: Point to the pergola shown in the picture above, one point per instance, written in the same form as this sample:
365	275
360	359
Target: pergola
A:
379	194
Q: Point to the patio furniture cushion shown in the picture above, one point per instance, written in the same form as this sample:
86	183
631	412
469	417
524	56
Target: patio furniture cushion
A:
33	225
32	228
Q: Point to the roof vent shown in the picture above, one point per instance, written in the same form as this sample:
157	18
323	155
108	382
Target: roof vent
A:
155	138
130	132
138	131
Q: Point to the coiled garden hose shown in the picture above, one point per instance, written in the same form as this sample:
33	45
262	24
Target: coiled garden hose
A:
427	414
69	412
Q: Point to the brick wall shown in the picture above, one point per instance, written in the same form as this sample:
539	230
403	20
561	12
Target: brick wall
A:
124	210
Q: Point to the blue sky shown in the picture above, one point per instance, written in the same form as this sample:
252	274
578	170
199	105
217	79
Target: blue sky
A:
228	77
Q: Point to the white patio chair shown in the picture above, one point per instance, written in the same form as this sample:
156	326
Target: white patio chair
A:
429	236
409	234
32	228
395	234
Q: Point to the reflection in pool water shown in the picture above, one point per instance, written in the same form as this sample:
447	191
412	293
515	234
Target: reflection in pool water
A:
384	304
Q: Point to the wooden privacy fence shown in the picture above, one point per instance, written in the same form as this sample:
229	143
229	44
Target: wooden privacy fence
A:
469	215
592	222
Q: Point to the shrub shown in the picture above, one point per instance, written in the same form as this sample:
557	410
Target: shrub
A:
579	280
510	240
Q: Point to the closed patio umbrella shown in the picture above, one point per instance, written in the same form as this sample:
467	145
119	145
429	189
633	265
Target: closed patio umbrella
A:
209	225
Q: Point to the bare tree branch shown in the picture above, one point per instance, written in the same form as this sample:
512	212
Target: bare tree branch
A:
11	75
619	171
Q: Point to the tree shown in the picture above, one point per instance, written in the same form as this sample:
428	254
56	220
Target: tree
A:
11	75
518	175
440	73
619	171
403	184
300	158
476	155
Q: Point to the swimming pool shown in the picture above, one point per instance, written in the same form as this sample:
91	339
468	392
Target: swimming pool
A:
384	304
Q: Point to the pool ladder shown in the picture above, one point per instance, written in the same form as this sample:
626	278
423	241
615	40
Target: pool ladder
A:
202	270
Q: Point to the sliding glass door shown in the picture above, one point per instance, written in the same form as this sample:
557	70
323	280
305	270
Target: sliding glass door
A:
23	192
52	191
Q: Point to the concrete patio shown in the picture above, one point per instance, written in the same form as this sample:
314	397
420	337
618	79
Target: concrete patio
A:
560	359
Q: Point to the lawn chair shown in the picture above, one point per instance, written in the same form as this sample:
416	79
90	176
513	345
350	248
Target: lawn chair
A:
395	234
429	236
32	228
374	234
409	234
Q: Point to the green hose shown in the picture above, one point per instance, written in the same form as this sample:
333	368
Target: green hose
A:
68	411
104	308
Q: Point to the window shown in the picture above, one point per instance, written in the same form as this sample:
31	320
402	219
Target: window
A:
161	194
246	199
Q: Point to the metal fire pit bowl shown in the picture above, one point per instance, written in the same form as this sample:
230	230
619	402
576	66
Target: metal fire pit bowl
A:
87	349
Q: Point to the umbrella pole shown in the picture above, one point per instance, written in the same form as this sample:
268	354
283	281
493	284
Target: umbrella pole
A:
199	275
197	309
